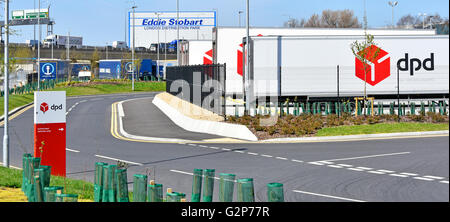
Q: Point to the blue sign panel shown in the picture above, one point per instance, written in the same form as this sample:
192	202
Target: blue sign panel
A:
48	70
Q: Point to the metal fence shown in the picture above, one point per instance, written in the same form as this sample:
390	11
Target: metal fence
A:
202	85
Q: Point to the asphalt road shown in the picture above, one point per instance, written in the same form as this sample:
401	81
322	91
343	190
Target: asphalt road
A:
411	169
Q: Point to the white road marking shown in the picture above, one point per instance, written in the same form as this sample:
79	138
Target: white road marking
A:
334	166
191	174
125	161
316	163
190	144
345	165
364	168
213	147
434	177
280	158
298	161
355	169
444	181
423	178
264	155
252	153
75	151
225	149
376	172
386	171
397	175
328	196
238	151
410	174
203	146
362	157
325	162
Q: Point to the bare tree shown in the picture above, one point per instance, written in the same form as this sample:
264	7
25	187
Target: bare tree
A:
328	19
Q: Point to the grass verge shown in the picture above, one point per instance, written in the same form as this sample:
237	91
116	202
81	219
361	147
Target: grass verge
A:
12	178
93	88
381	128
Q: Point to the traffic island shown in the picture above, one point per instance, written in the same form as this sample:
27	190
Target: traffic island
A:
196	119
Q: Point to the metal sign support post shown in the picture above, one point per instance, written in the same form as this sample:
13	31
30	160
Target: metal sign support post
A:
6	90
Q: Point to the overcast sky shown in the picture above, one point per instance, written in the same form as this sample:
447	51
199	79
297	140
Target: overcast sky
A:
101	21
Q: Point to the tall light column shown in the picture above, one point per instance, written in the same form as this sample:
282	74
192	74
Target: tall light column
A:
393	4
157	48
6	90
132	50
39	47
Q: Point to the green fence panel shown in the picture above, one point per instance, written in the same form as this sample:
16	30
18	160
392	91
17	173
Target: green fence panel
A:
208	185
50	193
139	188
122	185
109	185
98	181
155	193
66	197
196	185
275	192
226	187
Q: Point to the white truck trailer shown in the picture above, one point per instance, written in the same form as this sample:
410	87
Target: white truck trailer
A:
308	66
226	45
55	40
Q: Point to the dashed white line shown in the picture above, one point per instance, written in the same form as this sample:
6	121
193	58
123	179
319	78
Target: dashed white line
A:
316	163
190	144
345	165
213	147
386	171
423	178
334	166
362	157
225	149
125	161
444	181
355	169
328	196
264	155
364	168
298	161
70	150
434	177
376	172
255	154
280	158
398	175
410	174
325	162
238	151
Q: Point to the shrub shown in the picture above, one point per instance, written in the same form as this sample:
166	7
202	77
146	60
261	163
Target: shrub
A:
417	118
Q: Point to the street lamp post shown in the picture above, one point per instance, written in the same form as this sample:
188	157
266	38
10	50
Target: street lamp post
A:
6	90
106	47
240	12
132	50
157	48
39	46
423	20
393	4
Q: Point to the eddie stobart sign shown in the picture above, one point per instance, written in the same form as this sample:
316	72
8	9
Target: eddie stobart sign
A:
192	25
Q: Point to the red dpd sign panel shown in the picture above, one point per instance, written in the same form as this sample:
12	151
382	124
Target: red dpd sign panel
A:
50	130
377	69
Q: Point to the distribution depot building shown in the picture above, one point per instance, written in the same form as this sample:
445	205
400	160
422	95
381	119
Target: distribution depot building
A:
147	25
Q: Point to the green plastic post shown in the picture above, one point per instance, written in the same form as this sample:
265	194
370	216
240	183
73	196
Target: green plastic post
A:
25	159
413	108
208	185
275	192
197	185
226	187
122	185
245	190
155	193
139	188
98	181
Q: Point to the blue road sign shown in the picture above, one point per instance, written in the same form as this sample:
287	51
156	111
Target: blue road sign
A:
48	70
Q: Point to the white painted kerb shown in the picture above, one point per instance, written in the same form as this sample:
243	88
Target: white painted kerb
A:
204	126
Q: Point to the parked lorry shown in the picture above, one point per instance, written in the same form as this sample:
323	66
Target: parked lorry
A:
57	40
122	68
119	45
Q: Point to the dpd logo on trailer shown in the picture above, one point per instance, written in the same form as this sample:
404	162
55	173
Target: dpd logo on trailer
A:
377	69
